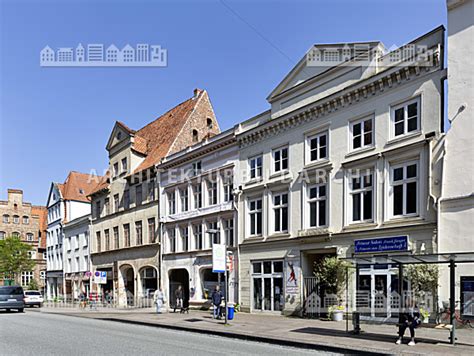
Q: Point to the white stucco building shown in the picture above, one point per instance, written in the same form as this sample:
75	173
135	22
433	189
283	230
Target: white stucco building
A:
343	155
456	206
76	256
66	202
197	211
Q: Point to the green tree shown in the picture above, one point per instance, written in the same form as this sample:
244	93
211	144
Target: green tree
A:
33	285
15	258
423	278
331	272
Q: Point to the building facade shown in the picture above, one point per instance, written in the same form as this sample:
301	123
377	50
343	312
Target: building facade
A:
197	211
66	202
456	206
125	227
344	154
76	254
26	221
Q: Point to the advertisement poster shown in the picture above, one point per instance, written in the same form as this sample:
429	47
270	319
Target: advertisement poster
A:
292	275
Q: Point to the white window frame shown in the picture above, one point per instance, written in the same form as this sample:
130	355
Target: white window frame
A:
351	192
228	184
184	199
404	182
198	236
212	189
317	136
228	230
405	105
171	197
316	200
281	160
171	240
256	171
184	233
197	195
361	121
278	209
196	168
253	214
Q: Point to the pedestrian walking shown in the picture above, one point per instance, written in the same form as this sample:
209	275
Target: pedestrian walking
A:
178	296
216	301
159	300
409	318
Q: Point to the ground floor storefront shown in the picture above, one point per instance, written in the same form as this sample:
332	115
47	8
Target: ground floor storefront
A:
278	276
127	278
193	272
77	285
54	285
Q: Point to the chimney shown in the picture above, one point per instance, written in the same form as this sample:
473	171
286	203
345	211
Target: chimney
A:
197	91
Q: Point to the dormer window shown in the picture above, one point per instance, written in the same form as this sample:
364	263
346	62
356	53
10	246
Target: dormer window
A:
209	123
195	136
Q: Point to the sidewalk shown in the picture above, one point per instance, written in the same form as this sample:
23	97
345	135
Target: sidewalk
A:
316	334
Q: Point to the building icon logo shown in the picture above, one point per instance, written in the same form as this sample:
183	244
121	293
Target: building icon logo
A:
97	55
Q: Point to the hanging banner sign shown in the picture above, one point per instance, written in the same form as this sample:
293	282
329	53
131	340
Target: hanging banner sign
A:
383	244
218	258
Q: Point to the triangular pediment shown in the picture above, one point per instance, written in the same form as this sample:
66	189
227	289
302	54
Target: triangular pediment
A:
120	133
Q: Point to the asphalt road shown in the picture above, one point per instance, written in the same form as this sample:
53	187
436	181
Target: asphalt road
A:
35	333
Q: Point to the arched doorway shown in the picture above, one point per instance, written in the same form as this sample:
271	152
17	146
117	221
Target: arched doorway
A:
178	277
128	278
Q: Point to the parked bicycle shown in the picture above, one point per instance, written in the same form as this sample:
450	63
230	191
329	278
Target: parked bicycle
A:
444	314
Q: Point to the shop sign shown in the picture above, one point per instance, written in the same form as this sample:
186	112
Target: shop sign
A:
383	244
218	258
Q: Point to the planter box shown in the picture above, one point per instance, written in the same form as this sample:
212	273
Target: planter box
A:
338	315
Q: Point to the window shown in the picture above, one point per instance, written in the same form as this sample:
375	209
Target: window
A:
26	278
228	189
138	195
116	238
45	255
212	192
2	235
26	220
98	209
406	118
318	147
255	164
184	239
404	189
126	235
107	206
124	165
151	231
229	232
99	242
116	203
42	275
16	234
197	195
126	199
317	197
361	197
195	135
280	159
171	241
151	190
214	233
29	237
6	219
362	133
280	212
171	203
209	123
16	219
116	169
107	240
255	212
197	232
139	232
196	168
183	193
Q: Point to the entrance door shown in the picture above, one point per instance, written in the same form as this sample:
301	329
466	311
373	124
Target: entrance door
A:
267	283
374	287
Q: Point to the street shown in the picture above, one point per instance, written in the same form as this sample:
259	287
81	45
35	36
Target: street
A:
36	333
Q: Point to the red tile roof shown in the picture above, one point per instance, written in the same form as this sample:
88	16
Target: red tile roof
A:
78	186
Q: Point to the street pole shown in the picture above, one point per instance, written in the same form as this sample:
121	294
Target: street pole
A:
226	290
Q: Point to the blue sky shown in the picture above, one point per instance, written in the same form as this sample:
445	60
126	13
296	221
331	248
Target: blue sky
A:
53	120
